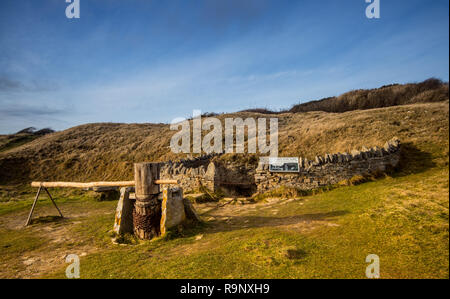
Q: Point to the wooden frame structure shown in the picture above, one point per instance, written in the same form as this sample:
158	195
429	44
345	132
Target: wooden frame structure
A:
35	201
45	185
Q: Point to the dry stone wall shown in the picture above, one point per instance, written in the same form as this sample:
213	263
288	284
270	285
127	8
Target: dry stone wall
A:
191	172
331	168
322	171
232	178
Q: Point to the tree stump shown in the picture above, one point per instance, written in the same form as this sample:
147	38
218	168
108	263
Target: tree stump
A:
147	209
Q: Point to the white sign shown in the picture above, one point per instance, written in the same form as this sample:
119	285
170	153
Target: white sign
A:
287	164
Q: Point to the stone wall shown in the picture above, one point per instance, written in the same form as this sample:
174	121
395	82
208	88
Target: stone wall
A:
331	168
232	178
322	171
191	172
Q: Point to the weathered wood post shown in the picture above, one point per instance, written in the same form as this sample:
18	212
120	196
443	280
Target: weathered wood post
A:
147	211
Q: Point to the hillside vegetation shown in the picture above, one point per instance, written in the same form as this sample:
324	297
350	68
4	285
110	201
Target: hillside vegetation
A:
8	142
428	91
431	90
403	217
107	151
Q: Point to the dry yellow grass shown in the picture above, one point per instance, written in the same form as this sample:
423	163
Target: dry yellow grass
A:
107	151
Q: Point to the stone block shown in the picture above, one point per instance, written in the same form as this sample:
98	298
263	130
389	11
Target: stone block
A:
123	222
190	211
356	154
172	208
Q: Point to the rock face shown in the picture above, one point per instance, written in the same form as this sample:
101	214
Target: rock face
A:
332	169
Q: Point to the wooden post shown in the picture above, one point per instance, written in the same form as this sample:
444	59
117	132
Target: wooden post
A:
147	211
33	206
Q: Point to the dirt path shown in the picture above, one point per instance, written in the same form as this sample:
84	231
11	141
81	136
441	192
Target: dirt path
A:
60	239
58	236
231	215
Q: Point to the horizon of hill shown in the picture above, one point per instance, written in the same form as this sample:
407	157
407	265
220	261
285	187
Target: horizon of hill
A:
402	215
416	113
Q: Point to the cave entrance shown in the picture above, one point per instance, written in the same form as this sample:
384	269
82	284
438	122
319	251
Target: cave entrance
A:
239	189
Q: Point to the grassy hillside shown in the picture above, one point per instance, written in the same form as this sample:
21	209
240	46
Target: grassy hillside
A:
402	218
107	151
11	141
431	90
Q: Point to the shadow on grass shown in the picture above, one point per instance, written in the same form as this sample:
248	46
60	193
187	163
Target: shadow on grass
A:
413	160
47	219
296	254
240	222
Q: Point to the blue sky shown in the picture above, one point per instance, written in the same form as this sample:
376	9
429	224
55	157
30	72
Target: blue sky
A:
152	61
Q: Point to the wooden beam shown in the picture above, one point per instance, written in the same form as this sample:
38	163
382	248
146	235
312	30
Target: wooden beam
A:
96	184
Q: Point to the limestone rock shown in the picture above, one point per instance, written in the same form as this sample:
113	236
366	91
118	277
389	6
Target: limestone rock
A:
123	222
365	152
334	158
172	208
356	155
190	211
211	171
317	161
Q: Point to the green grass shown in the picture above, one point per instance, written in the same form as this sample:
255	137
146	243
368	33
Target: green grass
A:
373	218
13	246
60	195
402	218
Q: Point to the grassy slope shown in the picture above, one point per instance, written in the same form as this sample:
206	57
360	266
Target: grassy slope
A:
107	151
431	90
403	219
8	142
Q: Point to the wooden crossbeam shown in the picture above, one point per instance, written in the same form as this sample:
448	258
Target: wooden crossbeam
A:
45	185
96	184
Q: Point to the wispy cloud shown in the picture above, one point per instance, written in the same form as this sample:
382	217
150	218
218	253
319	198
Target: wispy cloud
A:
7	84
35	85
29	111
152	61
